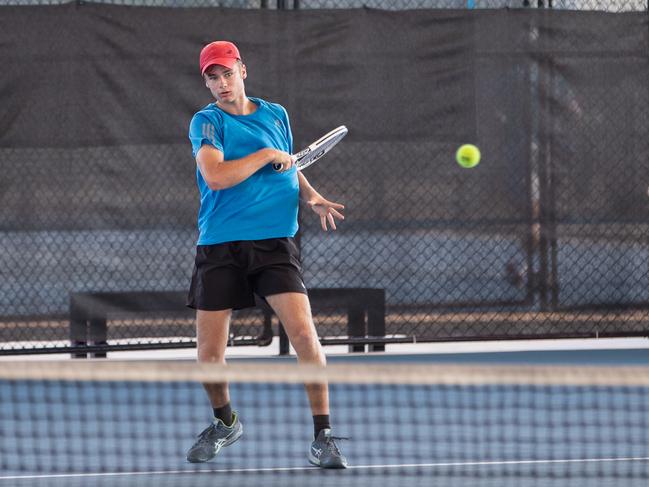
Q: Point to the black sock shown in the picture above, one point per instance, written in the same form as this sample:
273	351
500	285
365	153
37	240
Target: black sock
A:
224	413
320	422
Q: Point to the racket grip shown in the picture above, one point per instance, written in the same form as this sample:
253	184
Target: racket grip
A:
277	166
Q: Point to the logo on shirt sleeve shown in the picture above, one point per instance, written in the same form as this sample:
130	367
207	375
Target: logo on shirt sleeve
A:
208	132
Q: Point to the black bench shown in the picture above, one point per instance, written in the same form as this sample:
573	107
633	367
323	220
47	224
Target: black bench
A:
89	314
365	316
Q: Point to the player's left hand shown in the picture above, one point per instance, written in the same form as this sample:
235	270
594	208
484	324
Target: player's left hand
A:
328	211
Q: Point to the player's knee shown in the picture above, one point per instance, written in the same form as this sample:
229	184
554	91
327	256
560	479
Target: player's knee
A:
211	354
303	337
308	348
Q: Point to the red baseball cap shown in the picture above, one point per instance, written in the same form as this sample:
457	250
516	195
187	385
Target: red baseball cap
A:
219	52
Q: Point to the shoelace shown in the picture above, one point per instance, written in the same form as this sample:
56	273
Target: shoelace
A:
330	443
204	435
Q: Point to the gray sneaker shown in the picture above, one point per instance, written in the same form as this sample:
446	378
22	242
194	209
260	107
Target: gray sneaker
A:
213	438
325	453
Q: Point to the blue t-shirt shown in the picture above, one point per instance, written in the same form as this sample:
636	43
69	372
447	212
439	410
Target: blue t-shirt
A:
266	204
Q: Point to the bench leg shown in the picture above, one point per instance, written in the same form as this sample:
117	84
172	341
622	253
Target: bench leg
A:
78	335
284	344
265	338
376	320
98	335
356	327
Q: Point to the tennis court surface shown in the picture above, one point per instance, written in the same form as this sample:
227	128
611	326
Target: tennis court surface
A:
541	419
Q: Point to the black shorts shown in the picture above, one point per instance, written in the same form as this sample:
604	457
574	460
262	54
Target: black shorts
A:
228	275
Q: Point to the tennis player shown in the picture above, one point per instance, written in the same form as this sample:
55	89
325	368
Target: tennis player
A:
247	220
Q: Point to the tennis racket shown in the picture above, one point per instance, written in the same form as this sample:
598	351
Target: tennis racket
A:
316	150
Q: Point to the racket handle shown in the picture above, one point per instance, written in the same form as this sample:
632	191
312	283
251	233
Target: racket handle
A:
277	166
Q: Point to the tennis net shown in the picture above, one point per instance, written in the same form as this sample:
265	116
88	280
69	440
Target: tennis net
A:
114	423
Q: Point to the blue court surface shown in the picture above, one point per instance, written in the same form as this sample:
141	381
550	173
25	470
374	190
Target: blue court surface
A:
137	434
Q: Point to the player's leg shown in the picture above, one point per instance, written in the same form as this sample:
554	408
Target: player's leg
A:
218	285
294	311
212	331
276	275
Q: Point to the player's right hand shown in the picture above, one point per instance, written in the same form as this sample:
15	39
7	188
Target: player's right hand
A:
282	161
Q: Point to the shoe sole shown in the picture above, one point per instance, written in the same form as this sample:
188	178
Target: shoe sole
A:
314	461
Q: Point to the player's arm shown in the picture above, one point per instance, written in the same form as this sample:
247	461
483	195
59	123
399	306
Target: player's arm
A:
221	174
306	190
328	211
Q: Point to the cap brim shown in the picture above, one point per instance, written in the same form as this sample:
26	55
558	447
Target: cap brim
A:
228	62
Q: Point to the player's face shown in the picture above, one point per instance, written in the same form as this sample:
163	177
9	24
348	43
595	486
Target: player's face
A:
226	84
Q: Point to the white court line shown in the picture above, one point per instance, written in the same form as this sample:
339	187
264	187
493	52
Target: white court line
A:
351	467
450	347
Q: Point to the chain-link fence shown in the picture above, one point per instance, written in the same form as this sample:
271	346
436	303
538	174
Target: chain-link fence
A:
547	237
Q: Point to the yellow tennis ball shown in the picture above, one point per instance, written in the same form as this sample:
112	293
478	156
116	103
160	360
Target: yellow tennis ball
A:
468	155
